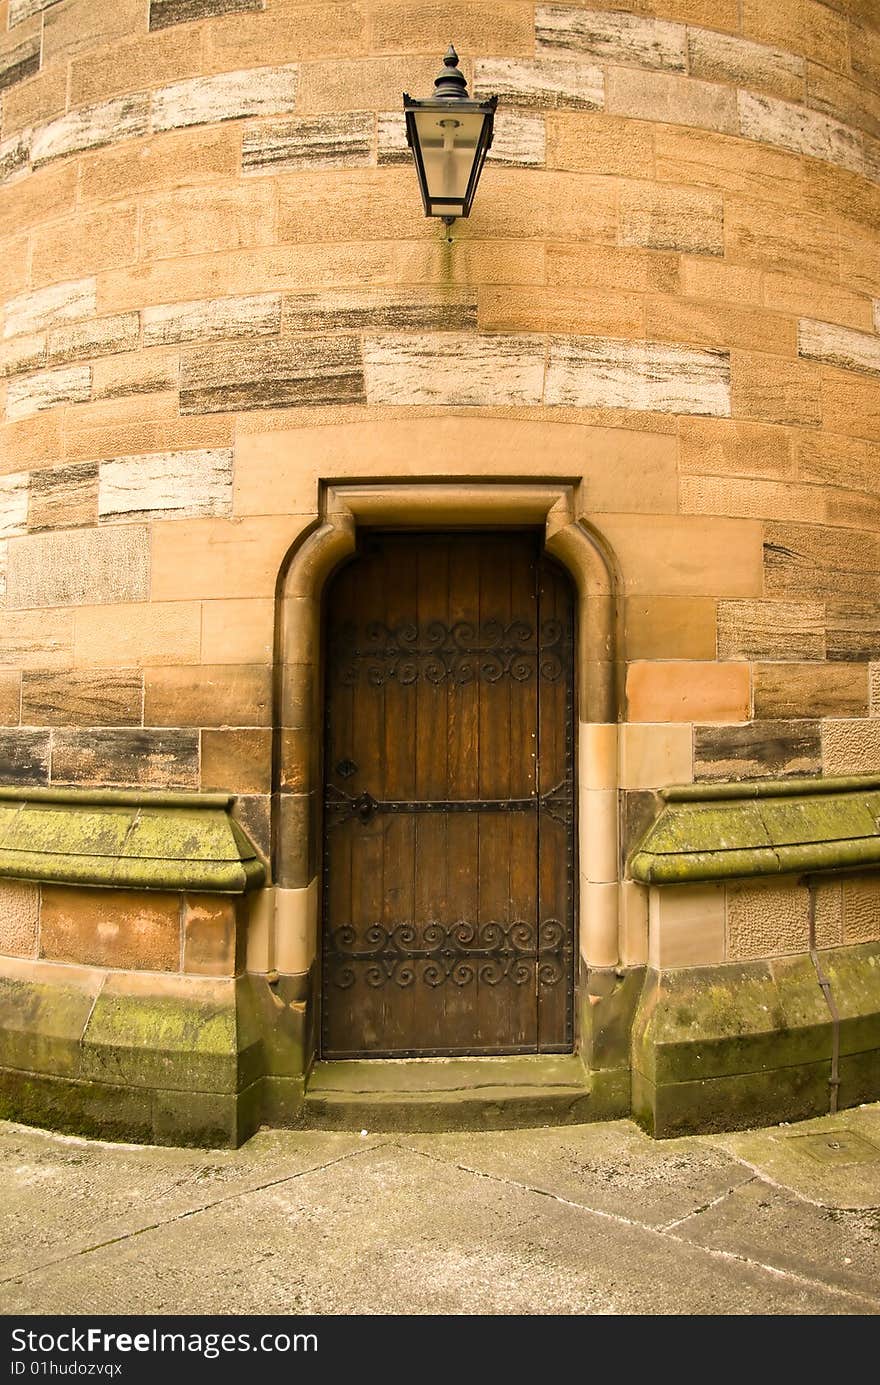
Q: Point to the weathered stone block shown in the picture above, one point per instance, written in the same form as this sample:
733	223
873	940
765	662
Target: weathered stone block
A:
237	761
91	127
792	630
63	497
851	746
166	12
790	392
24	757
766	920
13	504
209	935
617	37
805	561
136	758
670	627
19	918
666	97
213	319
800	130
80	567
111	928
19	10
453	368
671	219
757	750
15	156
725	57
307	371
33	311
164	484
36	639
810	690
167	632
396	309
852	629
29	394
861	909
679	692
20	62
543	83
99	697
587	372
208	695
227	96
839	346
779	238
104	336
320	141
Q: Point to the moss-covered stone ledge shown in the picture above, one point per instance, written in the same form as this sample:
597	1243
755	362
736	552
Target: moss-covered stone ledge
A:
749	1043
127	840
768	827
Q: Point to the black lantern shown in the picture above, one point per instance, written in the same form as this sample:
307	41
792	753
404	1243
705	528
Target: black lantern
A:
450	136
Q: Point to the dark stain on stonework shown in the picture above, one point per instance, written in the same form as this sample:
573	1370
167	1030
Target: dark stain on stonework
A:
164	13
22	62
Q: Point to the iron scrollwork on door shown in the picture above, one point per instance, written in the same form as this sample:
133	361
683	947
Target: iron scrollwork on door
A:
438	653
462	953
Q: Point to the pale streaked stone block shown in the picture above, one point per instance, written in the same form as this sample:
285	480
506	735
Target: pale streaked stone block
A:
79	567
29	394
419	308
800	130
391	144
448	368
541	83
22	354
590	372
619	37
518	139
213	319
265	375
685	926
15	154
725	57
793	631
102	336
321	141
91	127
67	302
664	96
839	346
13	504
23	9
164	484
227	96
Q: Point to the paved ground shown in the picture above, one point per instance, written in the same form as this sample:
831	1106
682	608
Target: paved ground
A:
588	1219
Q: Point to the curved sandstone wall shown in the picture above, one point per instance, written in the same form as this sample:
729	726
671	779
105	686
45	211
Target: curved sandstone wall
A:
217	289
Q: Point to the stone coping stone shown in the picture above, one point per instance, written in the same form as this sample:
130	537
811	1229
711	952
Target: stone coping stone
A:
730	831
116	838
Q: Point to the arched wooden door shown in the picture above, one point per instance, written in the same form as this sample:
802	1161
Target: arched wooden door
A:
449	799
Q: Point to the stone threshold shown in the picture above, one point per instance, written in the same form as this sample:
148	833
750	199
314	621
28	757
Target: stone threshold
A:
431	1094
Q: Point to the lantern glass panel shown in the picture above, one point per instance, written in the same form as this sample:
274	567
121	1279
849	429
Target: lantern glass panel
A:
448	141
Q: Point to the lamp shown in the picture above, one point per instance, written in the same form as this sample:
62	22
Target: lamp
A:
450	136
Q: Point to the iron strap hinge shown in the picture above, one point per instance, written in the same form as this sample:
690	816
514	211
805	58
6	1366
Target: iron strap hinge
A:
557	802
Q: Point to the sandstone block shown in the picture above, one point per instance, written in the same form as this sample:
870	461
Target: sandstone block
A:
861	910
833	461
790	392
580	266
395	309
103	336
213	319
238	631
850	102
604	144
13	504
587	372
679	692
166	12
20	62
237	761
852	629
60	303
685	555
736	284
197	221
806	562
100	697
36	639
727	58
111	928
780	239
20	10
810	690
164	484
671	219
15	157
42	97
208	695
786	630
615	37
305	371
321	141
791	293
655	756
69	29
669	627
453	368
227	96
79	567
851	746
30	393
211	559
19	918
726	495
169	160
126	757
165	632
851	405
803	26
543	83
724	325
24	757
10	697
734	448
671	99
760	749
90	127
154	371
209	935
766	920
397	27
686	926
839	346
